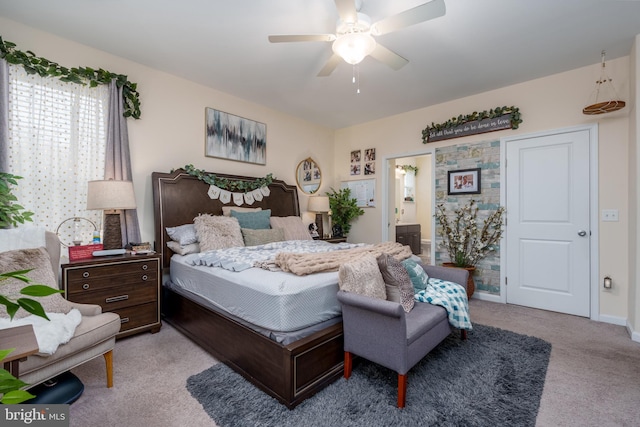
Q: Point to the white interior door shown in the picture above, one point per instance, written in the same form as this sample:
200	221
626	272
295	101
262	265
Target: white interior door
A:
548	217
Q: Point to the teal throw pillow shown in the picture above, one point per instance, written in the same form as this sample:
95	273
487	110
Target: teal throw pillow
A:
256	220
418	276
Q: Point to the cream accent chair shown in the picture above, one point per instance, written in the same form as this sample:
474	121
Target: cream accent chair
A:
94	336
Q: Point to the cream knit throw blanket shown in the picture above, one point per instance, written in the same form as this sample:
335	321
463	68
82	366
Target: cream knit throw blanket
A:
303	264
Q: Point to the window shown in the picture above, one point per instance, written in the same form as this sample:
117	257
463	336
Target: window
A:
57	139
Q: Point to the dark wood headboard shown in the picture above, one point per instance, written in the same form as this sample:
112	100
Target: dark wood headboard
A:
179	197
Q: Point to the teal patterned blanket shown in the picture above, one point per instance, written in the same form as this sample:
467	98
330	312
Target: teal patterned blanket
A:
452	297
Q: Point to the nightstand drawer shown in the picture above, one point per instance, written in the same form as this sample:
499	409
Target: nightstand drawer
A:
119	297
125	284
135	317
96	282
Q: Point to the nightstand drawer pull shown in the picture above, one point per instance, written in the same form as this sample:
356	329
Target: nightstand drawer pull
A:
145	267
116	299
145	277
85	274
124	320
85	286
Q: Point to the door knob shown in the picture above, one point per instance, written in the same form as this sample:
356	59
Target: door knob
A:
582	233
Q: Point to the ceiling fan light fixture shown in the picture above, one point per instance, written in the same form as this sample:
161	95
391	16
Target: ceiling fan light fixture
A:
354	47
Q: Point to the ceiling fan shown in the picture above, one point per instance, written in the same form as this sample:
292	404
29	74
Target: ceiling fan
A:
354	37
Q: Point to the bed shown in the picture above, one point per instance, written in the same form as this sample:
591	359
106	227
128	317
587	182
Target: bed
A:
288	367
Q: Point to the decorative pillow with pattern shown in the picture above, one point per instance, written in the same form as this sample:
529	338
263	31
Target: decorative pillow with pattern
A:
255	220
418	276
293	227
183	234
362	276
262	236
217	232
38	260
394	274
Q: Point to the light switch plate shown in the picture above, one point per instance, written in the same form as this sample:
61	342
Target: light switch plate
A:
609	214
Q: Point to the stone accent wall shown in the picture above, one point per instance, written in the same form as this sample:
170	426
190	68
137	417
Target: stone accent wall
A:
484	155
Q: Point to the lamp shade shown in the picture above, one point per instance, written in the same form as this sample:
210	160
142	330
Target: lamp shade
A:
318	204
110	194
353	47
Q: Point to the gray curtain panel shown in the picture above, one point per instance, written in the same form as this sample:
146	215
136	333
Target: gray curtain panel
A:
118	159
4	116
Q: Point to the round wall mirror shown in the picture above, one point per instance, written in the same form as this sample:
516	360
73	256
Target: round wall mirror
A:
308	176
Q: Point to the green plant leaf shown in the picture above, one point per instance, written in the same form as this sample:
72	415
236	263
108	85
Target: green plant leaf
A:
16	396
32	306
3	354
39	291
12	307
8	382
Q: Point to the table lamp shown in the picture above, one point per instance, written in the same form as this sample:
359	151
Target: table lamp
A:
319	205
111	196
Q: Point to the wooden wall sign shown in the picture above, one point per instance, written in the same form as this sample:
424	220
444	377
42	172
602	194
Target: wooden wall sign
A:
475	123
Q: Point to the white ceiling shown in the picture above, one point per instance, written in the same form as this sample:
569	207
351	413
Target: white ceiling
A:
479	45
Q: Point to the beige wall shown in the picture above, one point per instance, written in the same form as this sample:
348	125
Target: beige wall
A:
548	103
170	133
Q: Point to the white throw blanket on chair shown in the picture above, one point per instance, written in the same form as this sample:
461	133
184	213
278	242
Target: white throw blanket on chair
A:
49	333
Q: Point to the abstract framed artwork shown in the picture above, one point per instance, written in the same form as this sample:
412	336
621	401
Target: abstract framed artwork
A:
464	181
234	138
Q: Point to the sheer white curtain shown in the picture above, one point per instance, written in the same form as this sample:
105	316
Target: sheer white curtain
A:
57	139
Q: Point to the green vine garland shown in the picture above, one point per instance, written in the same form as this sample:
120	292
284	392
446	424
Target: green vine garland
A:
460	120
228	184
408	168
82	75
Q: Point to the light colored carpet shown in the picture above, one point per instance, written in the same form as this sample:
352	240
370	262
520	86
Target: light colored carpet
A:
593	378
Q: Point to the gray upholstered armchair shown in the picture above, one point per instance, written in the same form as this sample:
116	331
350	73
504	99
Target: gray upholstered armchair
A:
381	331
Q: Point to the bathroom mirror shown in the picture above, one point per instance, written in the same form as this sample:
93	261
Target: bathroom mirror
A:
308	176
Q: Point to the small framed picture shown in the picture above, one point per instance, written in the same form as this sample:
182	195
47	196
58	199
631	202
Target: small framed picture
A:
464	181
355	156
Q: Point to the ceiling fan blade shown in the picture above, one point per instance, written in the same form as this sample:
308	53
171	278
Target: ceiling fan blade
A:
347	10
302	38
388	57
331	65
424	12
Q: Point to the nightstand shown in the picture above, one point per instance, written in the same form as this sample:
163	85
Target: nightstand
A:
334	239
128	285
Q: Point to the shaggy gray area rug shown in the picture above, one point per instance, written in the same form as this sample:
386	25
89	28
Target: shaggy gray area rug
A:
494	378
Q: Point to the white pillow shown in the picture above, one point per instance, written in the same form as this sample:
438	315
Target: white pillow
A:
192	248
183	234
226	210
217	232
293	227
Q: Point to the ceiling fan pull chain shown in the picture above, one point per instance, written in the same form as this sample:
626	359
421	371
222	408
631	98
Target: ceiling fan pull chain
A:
356	78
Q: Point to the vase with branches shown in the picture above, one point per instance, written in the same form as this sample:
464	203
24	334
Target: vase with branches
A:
462	236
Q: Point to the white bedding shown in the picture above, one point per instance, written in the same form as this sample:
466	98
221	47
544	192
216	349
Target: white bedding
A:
273	300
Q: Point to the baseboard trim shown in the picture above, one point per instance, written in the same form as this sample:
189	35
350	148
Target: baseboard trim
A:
635	335
485	296
614	320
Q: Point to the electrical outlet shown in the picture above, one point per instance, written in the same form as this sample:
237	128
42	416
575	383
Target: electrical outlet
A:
609	214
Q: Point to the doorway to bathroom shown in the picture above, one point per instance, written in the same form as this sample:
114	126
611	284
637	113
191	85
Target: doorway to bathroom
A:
410	203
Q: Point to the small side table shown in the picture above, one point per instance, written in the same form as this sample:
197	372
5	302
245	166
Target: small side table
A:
23	339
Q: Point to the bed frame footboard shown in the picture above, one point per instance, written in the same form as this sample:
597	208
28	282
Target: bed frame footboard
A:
289	373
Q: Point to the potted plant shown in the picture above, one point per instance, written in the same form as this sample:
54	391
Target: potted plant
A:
464	240
11	213
344	209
